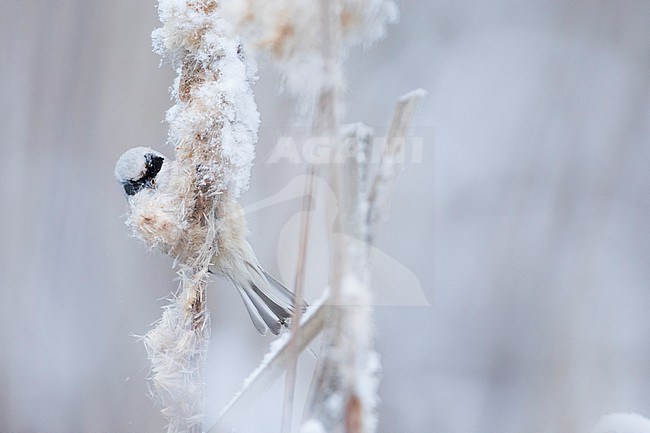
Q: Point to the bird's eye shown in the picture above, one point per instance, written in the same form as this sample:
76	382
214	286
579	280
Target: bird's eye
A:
131	187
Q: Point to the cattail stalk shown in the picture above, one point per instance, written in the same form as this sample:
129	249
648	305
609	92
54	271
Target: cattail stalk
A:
299	285
213	129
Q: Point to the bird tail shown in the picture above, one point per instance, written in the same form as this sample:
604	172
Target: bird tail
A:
267	301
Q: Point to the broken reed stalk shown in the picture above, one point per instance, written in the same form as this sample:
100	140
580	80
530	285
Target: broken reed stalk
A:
382	189
344	393
319	314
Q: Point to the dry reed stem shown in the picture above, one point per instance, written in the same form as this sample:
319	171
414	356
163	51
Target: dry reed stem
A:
278	359
299	288
383	187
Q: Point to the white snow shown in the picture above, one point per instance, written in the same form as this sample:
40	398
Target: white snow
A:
213	129
623	423
221	106
312	426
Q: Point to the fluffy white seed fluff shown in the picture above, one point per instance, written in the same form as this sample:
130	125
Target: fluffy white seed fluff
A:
289	31
213	130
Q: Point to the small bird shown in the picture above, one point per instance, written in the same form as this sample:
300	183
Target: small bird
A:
146	174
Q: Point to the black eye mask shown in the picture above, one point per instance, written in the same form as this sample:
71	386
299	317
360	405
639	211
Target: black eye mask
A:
153	164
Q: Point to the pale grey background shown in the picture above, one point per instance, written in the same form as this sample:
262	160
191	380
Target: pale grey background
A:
526	222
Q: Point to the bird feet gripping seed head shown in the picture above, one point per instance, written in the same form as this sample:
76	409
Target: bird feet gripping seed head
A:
153	186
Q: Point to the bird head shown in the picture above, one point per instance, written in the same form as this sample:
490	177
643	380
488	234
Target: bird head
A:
137	169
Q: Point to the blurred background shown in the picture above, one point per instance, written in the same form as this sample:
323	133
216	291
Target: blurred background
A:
517	247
